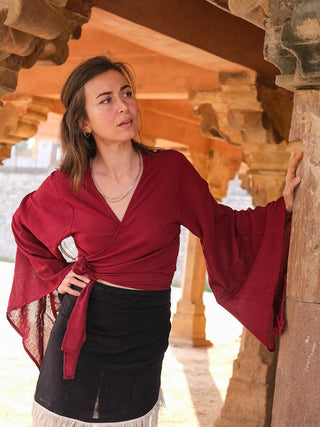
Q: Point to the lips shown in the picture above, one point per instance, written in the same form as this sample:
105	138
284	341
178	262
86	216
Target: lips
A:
126	123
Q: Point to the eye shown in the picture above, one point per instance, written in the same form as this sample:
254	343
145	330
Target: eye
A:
106	100
128	94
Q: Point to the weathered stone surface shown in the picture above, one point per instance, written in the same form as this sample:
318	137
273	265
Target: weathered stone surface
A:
237	93
296	400
304	259
297	394
250	392
292	37
292	43
36	30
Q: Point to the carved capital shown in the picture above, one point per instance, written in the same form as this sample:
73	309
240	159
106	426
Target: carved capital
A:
292	40
256	118
36	31
19	120
237	92
293	43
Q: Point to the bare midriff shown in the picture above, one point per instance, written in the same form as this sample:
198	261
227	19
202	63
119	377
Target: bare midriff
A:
116	286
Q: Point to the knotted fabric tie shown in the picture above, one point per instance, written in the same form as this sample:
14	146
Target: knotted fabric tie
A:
75	334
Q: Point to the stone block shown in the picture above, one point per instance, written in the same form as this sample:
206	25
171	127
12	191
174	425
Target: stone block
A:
245	406
304	257
297	393
8	80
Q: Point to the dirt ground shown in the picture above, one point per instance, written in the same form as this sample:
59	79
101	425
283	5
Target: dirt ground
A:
194	380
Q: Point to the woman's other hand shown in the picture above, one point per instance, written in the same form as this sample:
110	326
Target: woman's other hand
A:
72	279
292	180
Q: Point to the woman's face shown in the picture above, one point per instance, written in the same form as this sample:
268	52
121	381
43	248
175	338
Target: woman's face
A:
111	108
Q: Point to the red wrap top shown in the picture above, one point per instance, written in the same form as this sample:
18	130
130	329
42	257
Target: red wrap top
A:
243	250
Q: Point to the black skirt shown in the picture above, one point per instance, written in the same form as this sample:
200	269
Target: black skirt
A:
118	371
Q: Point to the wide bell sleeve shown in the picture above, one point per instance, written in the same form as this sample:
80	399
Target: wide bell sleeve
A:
245	253
40	223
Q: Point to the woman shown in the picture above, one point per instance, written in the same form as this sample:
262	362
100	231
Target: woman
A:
123	204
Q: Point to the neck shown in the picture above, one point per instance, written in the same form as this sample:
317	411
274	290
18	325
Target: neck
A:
116	161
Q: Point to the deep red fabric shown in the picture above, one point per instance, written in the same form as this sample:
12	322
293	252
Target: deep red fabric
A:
244	250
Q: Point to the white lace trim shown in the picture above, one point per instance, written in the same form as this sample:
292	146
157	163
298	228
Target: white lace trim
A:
43	417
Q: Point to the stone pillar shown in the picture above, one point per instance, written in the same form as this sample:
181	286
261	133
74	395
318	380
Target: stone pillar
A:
246	113
297	394
292	43
250	392
189	322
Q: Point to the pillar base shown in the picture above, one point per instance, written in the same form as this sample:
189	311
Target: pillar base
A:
188	330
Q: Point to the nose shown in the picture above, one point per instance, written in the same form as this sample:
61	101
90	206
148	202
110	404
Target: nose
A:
122	105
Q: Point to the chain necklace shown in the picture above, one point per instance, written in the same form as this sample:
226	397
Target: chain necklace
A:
121	196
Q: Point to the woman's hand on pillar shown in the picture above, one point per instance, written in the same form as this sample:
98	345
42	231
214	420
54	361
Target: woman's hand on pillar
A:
292	180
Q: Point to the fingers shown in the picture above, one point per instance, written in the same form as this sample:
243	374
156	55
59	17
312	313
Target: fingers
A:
293	164
72	279
292	179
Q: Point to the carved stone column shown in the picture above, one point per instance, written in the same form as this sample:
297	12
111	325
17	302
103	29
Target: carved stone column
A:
248	113
292	43
297	393
250	392
189	322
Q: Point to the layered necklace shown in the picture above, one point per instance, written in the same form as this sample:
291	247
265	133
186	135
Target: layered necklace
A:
121	196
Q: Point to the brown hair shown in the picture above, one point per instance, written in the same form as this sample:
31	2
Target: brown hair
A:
77	149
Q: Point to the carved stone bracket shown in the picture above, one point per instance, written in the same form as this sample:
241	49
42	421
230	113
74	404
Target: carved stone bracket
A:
256	118
37	31
293	44
19	120
292	41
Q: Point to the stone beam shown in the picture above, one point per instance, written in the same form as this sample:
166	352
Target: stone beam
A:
194	23
157	76
36	31
157	123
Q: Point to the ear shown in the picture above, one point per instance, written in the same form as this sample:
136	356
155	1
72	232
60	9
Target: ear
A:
84	126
